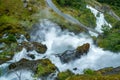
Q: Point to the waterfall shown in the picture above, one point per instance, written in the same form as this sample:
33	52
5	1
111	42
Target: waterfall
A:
100	20
57	42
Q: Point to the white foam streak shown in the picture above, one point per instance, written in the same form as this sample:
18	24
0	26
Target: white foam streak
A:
59	41
100	20
18	75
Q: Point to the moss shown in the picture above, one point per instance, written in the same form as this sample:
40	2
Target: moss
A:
64	75
86	77
81	13
15	18
8	51
89	71
45	68
105	70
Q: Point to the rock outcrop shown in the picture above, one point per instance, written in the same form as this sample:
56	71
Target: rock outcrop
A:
69	55
109	71
41	68
40	48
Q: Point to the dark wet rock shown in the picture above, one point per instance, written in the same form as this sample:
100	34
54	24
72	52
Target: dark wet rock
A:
3	60
83	49
42	67
75	69
40	48
31	56
64	75
69	55
109	71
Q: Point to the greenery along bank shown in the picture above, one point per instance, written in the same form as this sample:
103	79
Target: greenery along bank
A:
16	18
77	8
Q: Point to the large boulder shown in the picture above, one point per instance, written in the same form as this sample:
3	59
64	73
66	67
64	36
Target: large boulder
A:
69	55
82	49
40	48
41	68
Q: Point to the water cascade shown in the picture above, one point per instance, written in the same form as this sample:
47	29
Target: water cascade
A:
57	42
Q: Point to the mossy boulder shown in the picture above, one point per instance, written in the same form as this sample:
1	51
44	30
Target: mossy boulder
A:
41	68
69	55
64	75
45	68
83	49
7	51
40	48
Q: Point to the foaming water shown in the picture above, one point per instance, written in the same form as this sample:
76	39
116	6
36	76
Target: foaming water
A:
59	41
100	20
18	75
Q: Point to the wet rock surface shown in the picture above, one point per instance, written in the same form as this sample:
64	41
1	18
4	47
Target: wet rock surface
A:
40	48
109	71
41	67
69	55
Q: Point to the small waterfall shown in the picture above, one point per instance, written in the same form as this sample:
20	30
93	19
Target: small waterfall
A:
100	20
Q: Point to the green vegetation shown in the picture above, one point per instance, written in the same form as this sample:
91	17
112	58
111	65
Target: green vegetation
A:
77	8
115	5
64	75
45	68
110	19
111	38
95	77
88	75
89	71
10	39
8	51
14	17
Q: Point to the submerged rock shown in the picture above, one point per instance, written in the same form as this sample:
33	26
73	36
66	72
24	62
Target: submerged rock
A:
69	55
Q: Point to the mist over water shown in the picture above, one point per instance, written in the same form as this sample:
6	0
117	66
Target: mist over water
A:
59	41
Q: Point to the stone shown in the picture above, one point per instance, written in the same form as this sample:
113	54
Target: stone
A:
31	56
40	48
69	55
41	67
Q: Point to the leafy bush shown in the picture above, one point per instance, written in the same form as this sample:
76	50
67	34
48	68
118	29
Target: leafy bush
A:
111	38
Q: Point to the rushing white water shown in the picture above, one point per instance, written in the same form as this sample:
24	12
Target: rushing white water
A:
100	20
18	75
58	41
